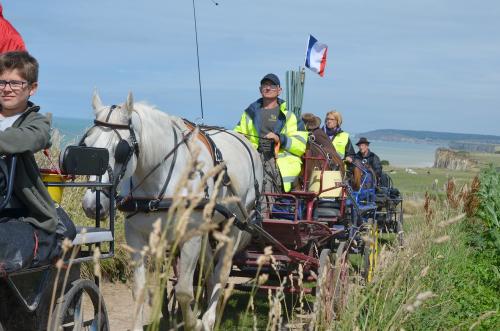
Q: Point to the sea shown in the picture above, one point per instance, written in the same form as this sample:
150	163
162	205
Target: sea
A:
400	154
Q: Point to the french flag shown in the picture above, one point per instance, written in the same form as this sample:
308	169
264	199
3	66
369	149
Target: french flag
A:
316	56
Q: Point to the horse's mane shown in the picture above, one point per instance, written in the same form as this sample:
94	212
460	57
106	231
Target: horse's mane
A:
152	131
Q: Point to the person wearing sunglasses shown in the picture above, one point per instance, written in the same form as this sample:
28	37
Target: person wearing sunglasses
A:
269	125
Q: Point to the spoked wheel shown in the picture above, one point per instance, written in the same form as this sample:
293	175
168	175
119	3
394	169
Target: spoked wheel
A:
81	308
370	251
341	277
325	287
332	284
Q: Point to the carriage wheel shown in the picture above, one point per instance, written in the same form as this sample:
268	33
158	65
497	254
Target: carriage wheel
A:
81	308
332	284
399	230
370	251
341	277
324	287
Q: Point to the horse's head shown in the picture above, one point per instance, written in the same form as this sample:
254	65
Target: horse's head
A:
113	129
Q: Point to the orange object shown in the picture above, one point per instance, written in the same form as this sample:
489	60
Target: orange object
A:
277	148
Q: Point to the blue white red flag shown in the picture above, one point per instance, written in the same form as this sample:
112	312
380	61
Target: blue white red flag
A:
316	56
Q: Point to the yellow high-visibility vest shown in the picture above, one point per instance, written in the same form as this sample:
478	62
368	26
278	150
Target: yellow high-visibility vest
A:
288	158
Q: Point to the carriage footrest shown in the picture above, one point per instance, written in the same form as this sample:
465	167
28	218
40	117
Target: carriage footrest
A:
91	235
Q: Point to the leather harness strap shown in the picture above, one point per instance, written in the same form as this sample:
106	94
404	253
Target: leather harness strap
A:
206	140
154	203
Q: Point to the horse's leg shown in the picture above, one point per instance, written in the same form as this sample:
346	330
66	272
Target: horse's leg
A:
137	241
190	253
217	280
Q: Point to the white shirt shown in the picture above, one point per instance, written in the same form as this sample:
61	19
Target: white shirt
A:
6	122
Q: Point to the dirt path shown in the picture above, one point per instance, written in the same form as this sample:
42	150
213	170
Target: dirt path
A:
120	305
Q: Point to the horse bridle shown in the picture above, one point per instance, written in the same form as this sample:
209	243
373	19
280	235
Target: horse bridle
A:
124	150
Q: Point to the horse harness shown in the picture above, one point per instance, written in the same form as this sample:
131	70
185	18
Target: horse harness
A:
125	150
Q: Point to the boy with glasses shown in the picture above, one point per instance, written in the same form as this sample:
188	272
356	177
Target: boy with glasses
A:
28	239
267	123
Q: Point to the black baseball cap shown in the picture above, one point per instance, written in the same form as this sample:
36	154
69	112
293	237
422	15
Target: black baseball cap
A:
271	77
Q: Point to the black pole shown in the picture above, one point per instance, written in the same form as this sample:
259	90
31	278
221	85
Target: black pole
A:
198	60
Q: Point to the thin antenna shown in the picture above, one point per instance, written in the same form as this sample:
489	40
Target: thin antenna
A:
198	59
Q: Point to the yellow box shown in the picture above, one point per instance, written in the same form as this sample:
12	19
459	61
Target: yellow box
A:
330	179
54	191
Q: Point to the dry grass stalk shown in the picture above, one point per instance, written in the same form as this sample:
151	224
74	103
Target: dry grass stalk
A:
481	318
471	199
451	221
421	297
429	211
424	271
442	239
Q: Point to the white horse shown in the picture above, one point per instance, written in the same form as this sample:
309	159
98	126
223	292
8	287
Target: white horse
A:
149	134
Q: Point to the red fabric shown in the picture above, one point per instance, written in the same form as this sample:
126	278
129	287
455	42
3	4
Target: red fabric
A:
10	39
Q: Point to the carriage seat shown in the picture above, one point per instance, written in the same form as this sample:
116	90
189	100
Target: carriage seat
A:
80	235
91	235
327	208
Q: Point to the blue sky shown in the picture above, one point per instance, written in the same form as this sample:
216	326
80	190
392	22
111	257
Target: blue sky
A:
418	65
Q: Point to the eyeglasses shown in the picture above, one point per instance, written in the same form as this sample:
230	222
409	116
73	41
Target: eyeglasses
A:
15	85
271	87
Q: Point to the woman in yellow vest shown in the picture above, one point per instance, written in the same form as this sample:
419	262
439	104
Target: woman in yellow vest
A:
340	139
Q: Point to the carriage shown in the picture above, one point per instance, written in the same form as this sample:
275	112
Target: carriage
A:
329	216
54	296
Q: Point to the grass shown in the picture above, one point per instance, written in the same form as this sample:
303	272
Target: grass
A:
486	158
427	179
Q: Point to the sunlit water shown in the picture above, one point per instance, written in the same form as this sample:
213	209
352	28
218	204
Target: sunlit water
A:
405	154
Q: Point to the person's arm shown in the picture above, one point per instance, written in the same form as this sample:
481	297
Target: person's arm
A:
32	136
244	128
377	166
295	138
241	126
350	154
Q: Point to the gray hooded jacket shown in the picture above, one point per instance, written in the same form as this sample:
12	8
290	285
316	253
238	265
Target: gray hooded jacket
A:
29	134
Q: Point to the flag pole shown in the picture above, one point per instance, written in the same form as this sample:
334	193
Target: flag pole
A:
198	60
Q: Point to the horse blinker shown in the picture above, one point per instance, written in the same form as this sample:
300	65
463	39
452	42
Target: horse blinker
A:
122	151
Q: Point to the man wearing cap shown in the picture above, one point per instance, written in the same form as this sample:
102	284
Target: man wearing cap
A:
267	123
369	157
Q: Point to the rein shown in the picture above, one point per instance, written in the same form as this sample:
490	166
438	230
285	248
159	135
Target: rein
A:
173	152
